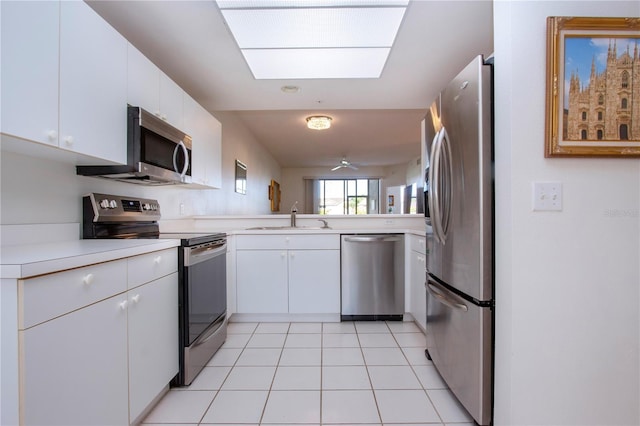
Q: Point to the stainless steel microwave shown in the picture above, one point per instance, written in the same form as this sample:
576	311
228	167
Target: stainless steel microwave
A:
157	153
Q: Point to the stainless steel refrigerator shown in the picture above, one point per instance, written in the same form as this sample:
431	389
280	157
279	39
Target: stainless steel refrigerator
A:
459	209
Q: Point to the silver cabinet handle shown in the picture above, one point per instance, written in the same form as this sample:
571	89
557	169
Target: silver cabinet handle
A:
443	298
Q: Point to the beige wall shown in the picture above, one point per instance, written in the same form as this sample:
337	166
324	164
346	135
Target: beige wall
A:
567	283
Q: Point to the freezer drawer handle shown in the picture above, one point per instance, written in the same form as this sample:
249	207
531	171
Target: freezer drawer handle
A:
442	298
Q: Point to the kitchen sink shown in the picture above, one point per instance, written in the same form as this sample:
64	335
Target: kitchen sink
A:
284	228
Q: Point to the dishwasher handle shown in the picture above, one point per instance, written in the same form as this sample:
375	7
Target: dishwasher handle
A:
371	238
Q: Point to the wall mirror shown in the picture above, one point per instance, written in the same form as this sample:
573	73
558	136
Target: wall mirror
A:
241	178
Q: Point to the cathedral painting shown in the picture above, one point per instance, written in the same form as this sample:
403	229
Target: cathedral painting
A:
593	86
602	98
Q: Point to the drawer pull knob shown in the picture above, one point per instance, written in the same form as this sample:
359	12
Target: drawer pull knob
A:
87	279
136	298
123	305
157	260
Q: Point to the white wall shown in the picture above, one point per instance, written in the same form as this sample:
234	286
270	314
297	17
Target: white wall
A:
39	190
567	283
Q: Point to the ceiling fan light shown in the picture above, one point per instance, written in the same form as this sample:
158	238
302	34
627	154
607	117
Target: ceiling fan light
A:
319	122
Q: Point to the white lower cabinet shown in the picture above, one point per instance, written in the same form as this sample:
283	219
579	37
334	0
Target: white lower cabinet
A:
417	274
279	274
262	283
314	281
102	361
74	369
153	341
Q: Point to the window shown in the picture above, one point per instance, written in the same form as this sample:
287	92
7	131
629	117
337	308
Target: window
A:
600	135
624	103
583	135
342	196
625	80
624	132
599	115
584	115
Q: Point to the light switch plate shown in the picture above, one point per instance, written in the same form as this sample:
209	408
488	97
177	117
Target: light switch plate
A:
547	196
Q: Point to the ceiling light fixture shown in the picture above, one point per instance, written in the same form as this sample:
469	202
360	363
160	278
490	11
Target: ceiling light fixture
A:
290	89
319	122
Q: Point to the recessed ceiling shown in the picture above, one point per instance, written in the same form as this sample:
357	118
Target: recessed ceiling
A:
309	39
376	121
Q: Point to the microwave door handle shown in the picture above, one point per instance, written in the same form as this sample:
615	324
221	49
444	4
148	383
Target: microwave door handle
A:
185	166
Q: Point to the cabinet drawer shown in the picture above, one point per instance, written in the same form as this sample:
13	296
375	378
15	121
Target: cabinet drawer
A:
46	297
288	241
417	244
148	267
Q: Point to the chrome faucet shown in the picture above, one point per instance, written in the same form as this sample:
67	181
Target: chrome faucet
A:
294	210
325	224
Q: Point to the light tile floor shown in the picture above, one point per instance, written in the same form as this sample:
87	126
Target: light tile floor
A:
366	373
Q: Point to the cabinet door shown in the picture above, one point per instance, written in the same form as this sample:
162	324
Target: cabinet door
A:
143	81
93	84
153	340
30	34
171	102
206	132
75	368
314	281
418	301
261	281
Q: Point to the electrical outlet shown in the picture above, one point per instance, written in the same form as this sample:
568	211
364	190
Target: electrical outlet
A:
547	196
389	221
181	209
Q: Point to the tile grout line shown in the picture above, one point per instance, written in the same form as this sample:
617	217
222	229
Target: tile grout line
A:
226	377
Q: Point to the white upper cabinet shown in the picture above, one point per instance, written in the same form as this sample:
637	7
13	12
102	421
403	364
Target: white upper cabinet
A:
148	87
143	81
93	84
206	133
171	102
64	78
30	70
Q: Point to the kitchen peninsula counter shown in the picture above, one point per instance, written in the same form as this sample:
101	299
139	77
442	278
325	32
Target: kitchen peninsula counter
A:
28	260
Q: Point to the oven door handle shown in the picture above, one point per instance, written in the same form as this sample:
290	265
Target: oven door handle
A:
196	255
209	332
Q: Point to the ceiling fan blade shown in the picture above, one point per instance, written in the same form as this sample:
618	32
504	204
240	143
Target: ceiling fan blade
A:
336	168
351	166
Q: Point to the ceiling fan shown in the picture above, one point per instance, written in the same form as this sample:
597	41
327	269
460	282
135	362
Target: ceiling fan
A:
344	163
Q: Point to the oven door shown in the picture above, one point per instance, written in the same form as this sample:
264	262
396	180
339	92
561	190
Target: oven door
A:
204	290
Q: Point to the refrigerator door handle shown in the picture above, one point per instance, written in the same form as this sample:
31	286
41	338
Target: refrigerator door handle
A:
434	187
446	173
441	297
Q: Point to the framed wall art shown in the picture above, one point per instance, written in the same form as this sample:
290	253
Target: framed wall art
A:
274	195
593	87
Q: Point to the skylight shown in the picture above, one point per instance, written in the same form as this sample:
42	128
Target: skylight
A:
302	39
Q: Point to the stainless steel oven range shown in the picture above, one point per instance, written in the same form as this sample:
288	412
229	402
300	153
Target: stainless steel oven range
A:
202	285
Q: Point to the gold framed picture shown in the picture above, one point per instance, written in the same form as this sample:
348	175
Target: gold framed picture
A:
274	195
593	87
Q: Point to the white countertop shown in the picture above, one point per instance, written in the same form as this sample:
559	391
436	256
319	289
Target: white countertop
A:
22	261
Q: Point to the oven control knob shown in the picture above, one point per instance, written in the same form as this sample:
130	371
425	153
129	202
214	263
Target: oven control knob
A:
113	204
104	203
146	206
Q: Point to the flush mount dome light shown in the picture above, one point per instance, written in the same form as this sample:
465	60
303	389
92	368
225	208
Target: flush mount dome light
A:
319	122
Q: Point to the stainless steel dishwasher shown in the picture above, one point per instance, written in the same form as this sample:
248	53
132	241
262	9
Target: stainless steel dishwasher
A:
372	276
